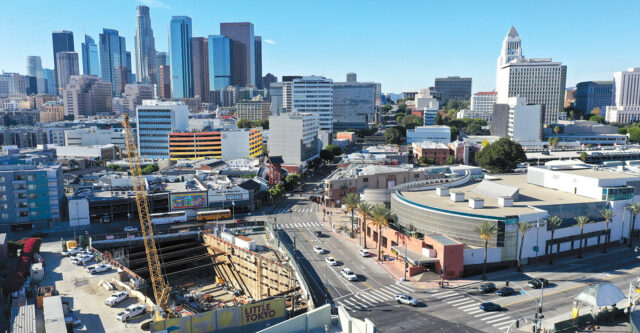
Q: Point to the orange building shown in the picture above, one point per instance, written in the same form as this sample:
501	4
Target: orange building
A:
228	145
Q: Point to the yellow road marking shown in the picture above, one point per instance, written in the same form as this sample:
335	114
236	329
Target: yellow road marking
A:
370	287
571	288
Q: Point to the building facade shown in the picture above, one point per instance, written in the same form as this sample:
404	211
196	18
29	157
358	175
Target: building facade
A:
482	104
164	82
314	94
253	110
155	120
243	52
354	104
224	144
90	57
145	47
87	96
200	60
434	133
180	57
34	69
294	136
258	63
67	64
626	94
113	53
453	87
134	94
62	42
436	151
525	121
51	112
219	62
594	94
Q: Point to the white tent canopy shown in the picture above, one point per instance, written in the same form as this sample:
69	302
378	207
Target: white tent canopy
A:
601	294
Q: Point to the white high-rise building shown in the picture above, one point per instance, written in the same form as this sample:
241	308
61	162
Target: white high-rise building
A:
626	92
294	136
540	80
525	121
482	104
314	94
155	120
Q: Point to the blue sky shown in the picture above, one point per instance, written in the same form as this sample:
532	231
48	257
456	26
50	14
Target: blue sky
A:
402	44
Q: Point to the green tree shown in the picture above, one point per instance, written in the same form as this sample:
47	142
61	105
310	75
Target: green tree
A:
400	118
364	212
149	169
501	156
392	136
424	160
607	215
411	121
634	208
276	192
486	230
597	119
581	221
292	181
243	123
557	130
326	155
622	130
451	160
474	129
523	227
634	134
386	108
380	216
337	151
553	222
402	106
351	201
454	132
583	156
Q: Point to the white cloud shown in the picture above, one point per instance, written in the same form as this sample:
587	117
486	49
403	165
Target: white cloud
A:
155	4
269	41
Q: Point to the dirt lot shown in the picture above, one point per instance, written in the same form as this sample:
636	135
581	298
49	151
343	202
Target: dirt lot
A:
88	297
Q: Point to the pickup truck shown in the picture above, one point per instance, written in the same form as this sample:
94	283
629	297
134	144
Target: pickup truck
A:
116	298
130	312
98	268
82	259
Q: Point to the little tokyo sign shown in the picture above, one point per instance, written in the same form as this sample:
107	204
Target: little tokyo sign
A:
261	311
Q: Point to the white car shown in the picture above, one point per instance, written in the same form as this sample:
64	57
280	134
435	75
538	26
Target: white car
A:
331	261
130	229
318	250
82	253
116	298
74	250
82	259
348	274
406	299
364	253
130	312
98	268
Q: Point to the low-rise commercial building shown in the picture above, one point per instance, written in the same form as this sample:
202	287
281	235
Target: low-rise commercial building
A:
253	110
221	144
435	133
436	151
51	112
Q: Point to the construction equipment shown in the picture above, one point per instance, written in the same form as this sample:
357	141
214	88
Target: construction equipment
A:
161	288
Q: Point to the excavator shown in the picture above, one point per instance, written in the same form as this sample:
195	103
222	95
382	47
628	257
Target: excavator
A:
161	289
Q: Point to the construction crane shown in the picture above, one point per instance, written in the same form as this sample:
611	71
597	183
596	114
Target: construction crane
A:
161	288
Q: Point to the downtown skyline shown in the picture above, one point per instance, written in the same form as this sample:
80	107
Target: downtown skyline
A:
406	52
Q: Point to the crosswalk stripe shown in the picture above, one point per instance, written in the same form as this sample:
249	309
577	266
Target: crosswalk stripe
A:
371	299
496	319
404	287
453	300
506	320
460	302
468	306
364	300
434	291
484	314
381	294
344	306
506	325
390	294
476	311
448	296
445	294
376	296
396	288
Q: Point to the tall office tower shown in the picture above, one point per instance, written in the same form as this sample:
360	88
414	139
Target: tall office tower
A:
200	60
540	80
134	94
294	136
268	79
525	120
164	82
49	81
121	79
219	62
180	57
626	94
275	94
67	64
482	104
62	42
155	120
34	68
314	94
258	64
242	52
352	77
161	59
112	54
13	84
90	57
87	95
145	47
593	94
453	87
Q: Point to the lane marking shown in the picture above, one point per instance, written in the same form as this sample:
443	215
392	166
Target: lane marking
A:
404	287
476	311
365	300
496	319
376	297
392	295
371	299
470	306
502	322
370	287
484	314
460	302
377	292
447	294
506	326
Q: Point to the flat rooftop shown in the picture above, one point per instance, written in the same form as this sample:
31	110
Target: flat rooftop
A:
529	195
598	173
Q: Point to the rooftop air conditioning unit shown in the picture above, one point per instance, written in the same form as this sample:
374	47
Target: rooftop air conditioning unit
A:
442	191
476	203
457	196
505	202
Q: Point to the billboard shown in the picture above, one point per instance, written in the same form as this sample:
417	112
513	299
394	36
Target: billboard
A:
261	311
189	200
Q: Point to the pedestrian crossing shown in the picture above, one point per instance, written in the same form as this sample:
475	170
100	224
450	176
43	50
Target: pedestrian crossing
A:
299	225
304	209
369	298
470	306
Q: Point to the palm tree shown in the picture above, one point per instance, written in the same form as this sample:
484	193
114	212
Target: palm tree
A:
351	202
607	214
634	208
380	216
486	230
553	222
581	221
523	227
364	210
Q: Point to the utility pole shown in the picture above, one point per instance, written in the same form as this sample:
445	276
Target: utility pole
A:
406	262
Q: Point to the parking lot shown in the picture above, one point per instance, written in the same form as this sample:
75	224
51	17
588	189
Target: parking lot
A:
88	296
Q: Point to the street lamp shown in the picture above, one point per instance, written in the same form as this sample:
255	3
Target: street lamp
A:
538	314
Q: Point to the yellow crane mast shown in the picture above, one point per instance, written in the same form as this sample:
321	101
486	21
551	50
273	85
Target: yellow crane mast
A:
161	288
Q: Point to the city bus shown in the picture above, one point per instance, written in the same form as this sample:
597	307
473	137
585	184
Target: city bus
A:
170	217
212	215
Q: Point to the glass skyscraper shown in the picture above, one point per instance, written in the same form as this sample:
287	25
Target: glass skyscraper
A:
34	68
112	54
62	42
243	51
219	62
90	58
180	57
145	47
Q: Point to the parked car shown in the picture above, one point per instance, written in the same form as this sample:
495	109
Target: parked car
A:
98	268
318	249
538	283
348	274
74	250
240	220
116	298
406	299
490	306
130	229
130	312
82	259
331	261
364	253
505	291
319	233
486	288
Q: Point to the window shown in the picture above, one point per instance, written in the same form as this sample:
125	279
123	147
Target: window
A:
4	216
32	187
3	197
33	205
2	179
20	177
34	213
3	188
22	205
33	196
365	180
24	214
31	178
22	196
